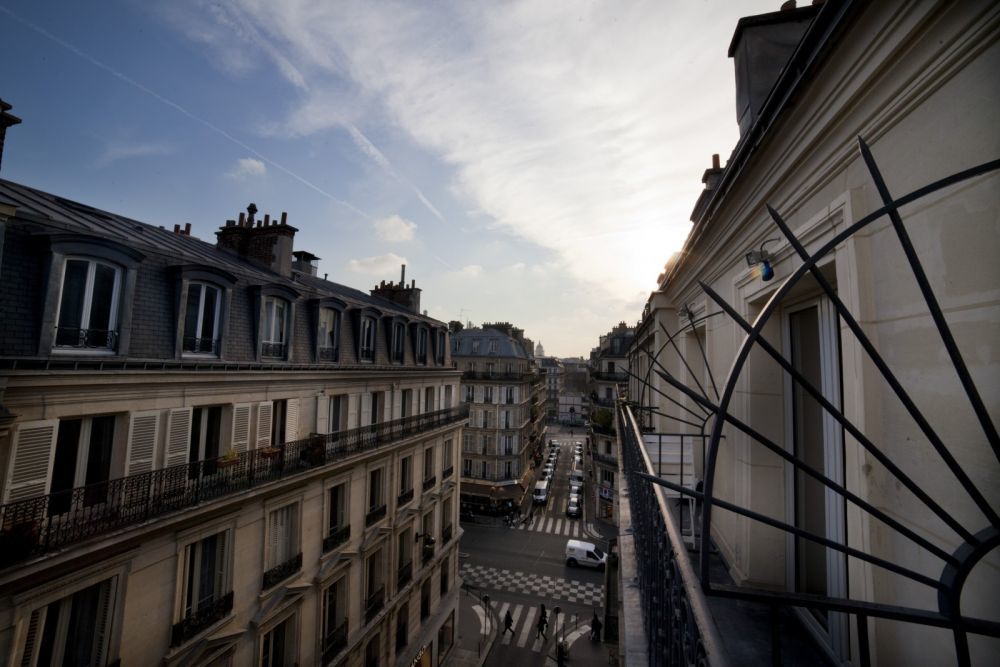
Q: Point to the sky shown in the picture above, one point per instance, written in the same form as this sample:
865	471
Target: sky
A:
530	162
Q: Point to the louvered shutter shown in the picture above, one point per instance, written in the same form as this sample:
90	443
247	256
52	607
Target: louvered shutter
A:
102	630
292	419
241	427
31	643
323	414
397	404
143	431
178	436
366	408
34	444
264	411
222	565
352	410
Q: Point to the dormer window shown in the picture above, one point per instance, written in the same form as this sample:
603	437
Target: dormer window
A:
422	345
493	346
201	320
366	347
475	346
88	305
439	349
275	331
398	340
329	334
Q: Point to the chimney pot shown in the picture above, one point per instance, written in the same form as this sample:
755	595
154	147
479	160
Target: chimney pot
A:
187	229
788	5
177	229
284	218
715	161
243	218
267	219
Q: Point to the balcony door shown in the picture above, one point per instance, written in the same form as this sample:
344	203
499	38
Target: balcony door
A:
815	438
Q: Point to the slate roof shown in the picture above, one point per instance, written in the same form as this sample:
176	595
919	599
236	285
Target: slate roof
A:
461	344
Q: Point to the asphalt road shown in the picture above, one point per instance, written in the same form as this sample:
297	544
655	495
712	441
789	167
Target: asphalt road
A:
521	569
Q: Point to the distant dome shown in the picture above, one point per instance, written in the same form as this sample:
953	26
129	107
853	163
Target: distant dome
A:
539	350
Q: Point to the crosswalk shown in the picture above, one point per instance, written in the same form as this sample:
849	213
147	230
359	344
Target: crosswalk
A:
553	526
524	630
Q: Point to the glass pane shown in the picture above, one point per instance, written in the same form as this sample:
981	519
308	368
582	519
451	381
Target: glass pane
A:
100	304
208	317
268	319
279	322
207	574
191	317
71	306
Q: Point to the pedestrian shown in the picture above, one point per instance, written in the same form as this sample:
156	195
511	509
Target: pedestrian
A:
595	628
540	627
508	623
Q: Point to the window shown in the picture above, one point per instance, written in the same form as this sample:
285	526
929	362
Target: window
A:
608	478
338	530
329	334
402	618
491	368
377	406
422	345
206	435
467	467
88	305
507	420
334	619
207	589
428	464
338	413
508	445
374	585
429	399
82	458
201	319
446	638
280	644
493	346
475	346
406	403
372	652
404	556
376	496
508	470
448	455
74	630
470	393
366	348
485	470
425	599
488	394
439	348
510	396
279	422
283	537
398	339
445	575
405	479
275	327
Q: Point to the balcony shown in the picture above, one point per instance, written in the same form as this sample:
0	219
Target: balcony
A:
374	604
604	376
272	350
38	525
500	377
606	459
336	537
329	353
209	346
375	515
196	621
405	497
447	472
404	575
335	642
282	571
429	483
93	339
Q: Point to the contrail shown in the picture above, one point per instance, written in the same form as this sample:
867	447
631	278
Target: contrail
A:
215	128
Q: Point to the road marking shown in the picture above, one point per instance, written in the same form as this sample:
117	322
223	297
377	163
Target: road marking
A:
526	628
482	618
576	634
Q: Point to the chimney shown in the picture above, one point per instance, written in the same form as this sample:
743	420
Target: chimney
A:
304	262
399	293
711	179
265	243
6	120
761	47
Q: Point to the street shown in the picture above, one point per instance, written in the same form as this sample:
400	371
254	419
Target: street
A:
523	567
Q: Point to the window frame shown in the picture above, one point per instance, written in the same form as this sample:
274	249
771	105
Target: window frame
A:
64	247
275	505
366	335
188	538
272	293
186	275
338	308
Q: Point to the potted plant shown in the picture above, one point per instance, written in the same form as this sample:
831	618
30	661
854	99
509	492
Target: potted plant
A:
270	452
229	459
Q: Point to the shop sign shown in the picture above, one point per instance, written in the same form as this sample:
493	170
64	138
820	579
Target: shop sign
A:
422	658
607	493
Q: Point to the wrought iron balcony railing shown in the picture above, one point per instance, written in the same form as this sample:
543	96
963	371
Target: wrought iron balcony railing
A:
329	353
447	472
96	339
405	497
272	350
336	537
37	525
604	376
282	571
404	575
196	621
375	515
429	482
335	642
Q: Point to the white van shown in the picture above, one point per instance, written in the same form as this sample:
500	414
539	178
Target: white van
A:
584	553
540	495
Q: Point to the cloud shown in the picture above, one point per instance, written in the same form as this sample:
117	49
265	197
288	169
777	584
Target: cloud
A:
386	264
470	271
395	229
247	167
116	151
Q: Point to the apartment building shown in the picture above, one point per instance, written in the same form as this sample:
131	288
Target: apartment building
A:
506	425
555	384
825	346
210	455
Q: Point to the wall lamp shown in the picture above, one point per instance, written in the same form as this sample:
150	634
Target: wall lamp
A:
762	257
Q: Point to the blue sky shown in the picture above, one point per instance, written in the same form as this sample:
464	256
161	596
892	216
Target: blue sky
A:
534	162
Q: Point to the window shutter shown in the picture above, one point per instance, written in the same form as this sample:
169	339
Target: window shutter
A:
366	408
352	410
222	565
264	411
178	436
292	419
273	539
241	427
143	430
323	414
34	444
31	644
102	629
397	404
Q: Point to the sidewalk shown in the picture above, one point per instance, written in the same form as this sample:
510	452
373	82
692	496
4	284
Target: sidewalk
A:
472	647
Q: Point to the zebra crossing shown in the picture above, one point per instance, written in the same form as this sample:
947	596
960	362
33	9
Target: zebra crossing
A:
553	526
524	631
525	583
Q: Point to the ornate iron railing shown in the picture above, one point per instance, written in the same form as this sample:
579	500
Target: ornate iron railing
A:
334	642
336	537
87	338
375	515
34	526
202	345
273	350
404	574
447	472
405	497
958	547
329	353
282	571
429	482
206	614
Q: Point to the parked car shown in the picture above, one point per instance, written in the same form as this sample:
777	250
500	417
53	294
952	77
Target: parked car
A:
573	508
575	488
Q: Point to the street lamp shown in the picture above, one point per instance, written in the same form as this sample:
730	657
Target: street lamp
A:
486	604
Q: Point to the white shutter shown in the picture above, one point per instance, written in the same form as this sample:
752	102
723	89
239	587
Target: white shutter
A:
352	410
264	412
292	419
178	436
366	408
31	644
32	454
102	630
241	427
323	414
397	404
143	433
